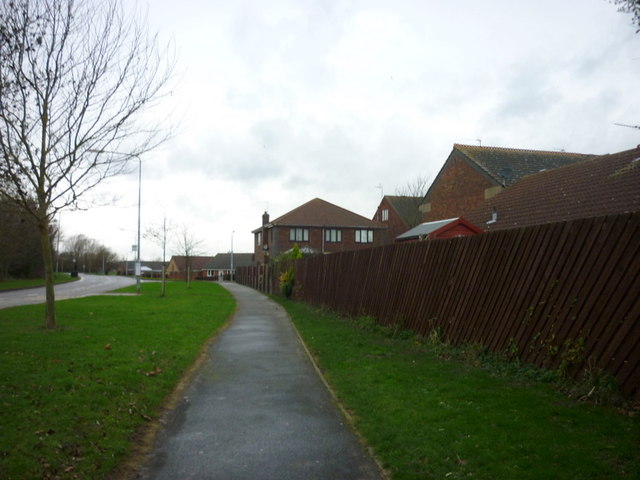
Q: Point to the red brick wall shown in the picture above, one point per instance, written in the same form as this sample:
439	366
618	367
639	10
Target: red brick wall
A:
396	226
458	189
282	243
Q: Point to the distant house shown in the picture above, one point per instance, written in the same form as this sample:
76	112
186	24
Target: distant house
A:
399	214
472	174
317	227
220	266
147	269
604	185
182	267
449	228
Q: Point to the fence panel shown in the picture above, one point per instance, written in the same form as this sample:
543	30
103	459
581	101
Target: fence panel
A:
559	295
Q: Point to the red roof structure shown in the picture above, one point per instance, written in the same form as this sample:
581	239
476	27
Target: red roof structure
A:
449	228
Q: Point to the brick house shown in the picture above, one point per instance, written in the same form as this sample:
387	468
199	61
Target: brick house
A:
219	268
317	227
181	266
399	214
604	185
472	174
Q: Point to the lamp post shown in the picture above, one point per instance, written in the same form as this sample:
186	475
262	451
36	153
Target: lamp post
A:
231	273
138	266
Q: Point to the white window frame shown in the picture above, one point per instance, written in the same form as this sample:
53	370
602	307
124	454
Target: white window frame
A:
333	235
364	236
298	234
385	214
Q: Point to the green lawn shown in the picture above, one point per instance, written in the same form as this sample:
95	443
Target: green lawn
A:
72	399
33	282
429	412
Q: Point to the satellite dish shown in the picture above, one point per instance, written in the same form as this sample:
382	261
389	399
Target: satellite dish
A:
506	175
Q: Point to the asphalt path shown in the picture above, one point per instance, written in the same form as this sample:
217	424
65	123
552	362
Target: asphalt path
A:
87	285
257	409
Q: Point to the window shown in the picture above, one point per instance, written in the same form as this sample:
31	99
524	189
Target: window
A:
259	238
385	215
299	234
364	236
333	235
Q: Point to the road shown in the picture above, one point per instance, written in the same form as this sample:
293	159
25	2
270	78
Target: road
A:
87	285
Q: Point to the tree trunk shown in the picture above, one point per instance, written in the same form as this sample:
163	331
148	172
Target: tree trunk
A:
164	281
47	256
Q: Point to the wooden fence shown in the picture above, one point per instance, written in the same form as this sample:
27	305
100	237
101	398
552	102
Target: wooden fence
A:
563	295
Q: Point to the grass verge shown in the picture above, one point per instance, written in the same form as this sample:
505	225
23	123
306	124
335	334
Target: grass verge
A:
72	400
33	282
427	414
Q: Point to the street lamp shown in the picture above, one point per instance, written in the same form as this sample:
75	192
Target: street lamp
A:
138	266
231	273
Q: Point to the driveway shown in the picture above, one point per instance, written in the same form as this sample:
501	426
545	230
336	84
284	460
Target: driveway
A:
87	285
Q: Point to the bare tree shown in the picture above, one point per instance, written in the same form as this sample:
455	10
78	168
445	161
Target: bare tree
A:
188	247
105	259
160	235
88	254
632	7
78	246
76	79
414	192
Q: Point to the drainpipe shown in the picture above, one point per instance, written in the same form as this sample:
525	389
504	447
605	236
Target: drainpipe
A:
494	216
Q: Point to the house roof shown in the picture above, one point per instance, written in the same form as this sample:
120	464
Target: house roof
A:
408	208
507	166
429	228
151	266
197	262
605	185
320	213
222	261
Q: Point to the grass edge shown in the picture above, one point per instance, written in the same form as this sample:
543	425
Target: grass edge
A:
144	440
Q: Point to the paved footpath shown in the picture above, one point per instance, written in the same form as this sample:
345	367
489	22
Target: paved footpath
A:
258	410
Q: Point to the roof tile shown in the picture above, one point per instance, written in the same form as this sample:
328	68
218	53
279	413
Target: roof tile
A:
320	213
508	165
605	185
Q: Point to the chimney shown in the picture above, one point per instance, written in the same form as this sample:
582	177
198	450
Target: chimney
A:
265	218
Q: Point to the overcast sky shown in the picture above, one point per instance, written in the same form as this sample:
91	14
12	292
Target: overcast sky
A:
282	101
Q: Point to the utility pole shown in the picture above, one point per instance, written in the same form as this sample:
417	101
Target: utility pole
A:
231	273
138	266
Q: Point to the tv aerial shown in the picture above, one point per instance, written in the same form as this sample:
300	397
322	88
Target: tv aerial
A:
629	126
